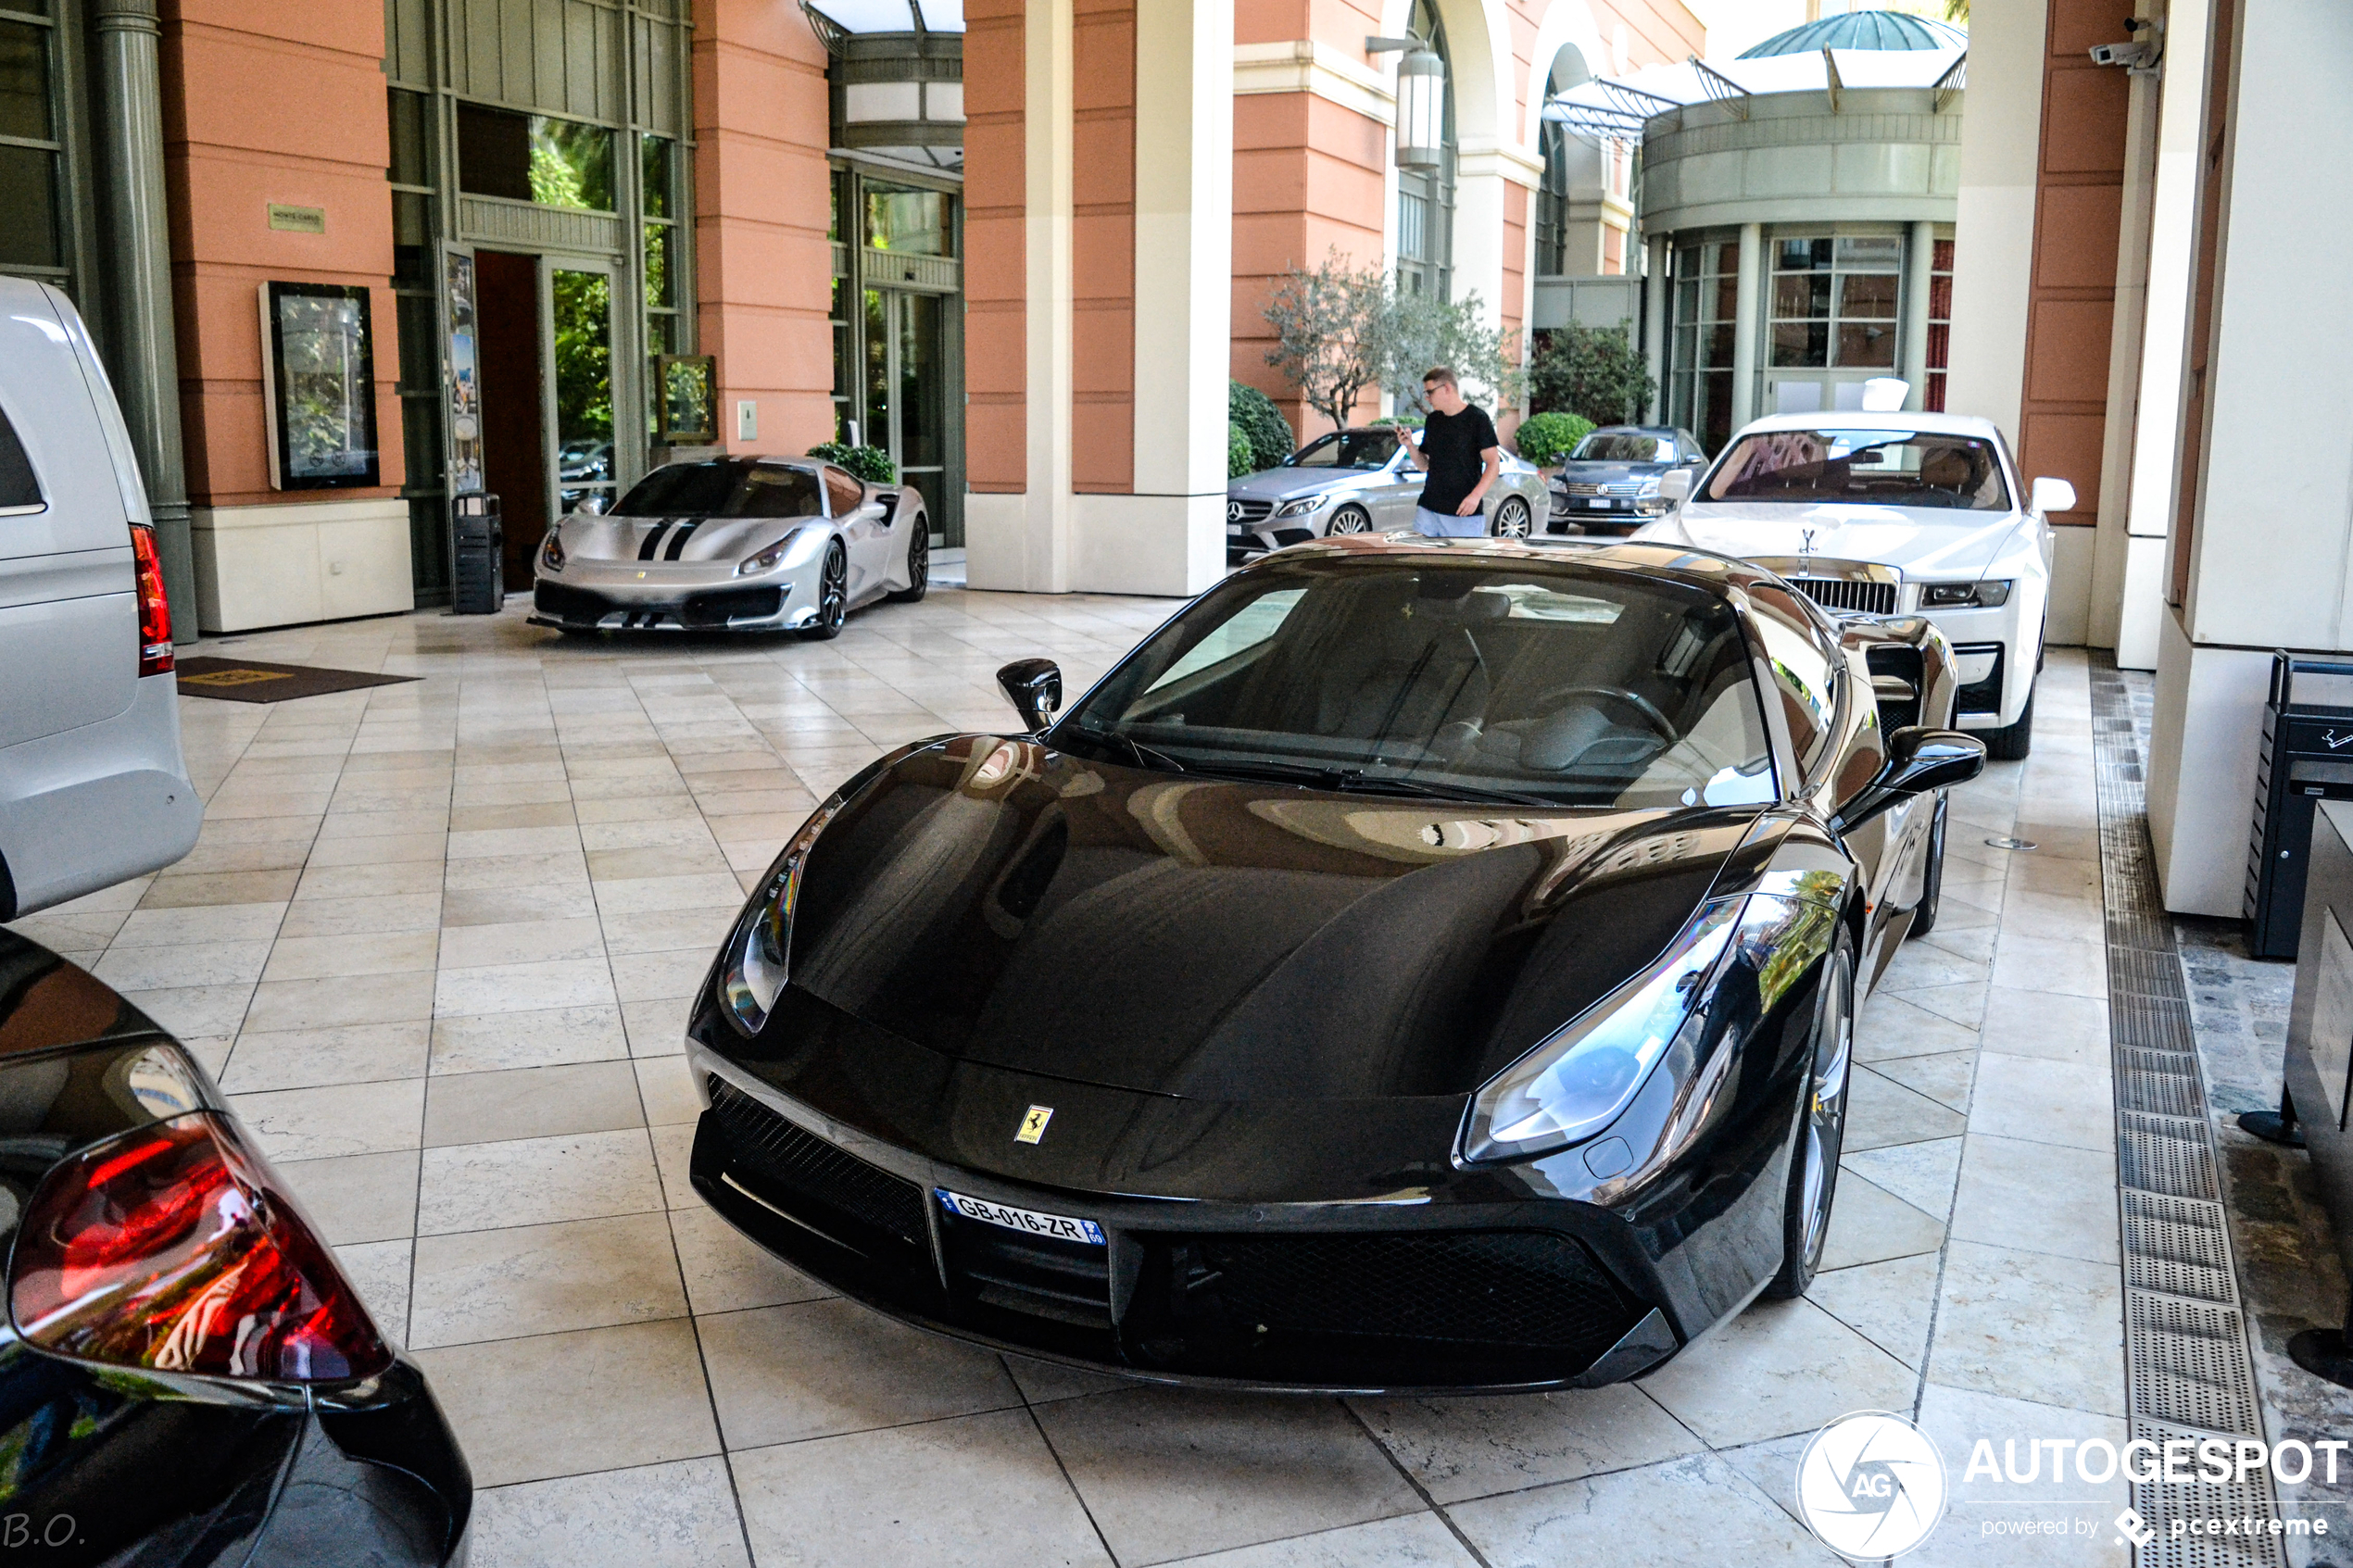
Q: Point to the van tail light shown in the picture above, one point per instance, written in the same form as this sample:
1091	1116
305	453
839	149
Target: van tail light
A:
154	610
173	1248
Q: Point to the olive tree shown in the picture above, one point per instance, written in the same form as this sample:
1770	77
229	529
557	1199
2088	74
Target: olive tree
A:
1330	324
1424	331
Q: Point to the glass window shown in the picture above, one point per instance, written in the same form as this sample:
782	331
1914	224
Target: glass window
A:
1705	302
653	154
724	487
18	487
1426	196
1543	681
1940	323
24	80
32	228
1803	675
1834	302
534	158
843	493
1886	467
1623	447
911	222
1348	449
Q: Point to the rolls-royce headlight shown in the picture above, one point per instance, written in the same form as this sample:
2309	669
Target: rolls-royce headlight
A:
1579	1081
1302	506
758	950
1964	595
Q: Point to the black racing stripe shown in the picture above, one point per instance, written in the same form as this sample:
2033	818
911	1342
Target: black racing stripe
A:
652	541
678	540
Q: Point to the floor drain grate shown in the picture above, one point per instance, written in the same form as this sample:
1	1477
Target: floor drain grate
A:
2188	1370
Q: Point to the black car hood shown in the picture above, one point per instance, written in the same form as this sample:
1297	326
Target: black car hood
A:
1001	902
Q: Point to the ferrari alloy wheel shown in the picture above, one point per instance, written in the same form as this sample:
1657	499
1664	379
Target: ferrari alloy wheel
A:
918	564
1512	518
1821	1127
833	595
1931	874
1351	519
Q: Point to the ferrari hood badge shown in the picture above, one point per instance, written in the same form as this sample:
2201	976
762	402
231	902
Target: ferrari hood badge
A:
1033	1124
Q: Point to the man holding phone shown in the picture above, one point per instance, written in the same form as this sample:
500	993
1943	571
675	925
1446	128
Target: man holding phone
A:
1460	453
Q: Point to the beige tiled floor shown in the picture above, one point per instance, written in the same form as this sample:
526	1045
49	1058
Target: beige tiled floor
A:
435	940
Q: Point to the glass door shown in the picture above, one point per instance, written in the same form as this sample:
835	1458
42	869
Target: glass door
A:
906	392
580	385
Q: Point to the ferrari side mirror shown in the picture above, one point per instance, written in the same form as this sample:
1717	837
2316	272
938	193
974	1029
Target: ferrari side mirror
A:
1035	688
1675	487
1919	760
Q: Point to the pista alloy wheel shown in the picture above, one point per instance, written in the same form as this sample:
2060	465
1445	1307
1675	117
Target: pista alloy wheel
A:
1351	519
918	564
1512	518
1821	1127
833	595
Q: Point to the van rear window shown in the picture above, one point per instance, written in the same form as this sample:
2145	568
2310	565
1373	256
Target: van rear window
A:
17	487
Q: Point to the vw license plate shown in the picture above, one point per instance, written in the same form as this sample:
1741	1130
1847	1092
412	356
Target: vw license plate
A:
1599	503
1061	1226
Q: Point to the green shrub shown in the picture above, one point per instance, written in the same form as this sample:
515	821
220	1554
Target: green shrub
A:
1270	435
1240	459
1545	439
1595	371
869	463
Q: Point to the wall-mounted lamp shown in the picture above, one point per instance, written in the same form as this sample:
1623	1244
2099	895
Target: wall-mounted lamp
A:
1421	100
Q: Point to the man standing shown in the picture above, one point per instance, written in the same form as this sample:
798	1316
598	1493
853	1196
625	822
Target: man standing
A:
1459	452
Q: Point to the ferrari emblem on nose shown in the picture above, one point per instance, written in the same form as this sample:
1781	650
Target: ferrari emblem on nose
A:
1033	1125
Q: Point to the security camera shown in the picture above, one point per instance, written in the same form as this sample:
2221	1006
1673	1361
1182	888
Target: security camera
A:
2134	56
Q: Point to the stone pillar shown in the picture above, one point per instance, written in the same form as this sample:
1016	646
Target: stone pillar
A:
1747	323
1919	264
1655	289
126	81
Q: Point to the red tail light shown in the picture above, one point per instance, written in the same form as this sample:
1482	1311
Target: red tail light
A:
173	1248
154	610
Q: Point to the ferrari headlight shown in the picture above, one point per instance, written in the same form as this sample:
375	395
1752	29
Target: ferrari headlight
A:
1302	506
766	559
1576	1083
1964	595
551	554
753	975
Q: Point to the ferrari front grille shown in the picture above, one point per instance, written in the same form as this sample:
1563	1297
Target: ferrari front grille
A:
1853	593
804	1175
719	608
570	604
1531	1290
1041	1276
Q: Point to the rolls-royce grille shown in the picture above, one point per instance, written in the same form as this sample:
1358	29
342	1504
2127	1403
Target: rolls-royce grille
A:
1522	1289
1849	593
804	1174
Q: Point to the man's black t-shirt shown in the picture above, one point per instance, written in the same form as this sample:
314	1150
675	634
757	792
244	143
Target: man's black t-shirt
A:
1453	442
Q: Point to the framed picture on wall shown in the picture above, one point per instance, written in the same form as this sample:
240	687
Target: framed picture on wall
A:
319	386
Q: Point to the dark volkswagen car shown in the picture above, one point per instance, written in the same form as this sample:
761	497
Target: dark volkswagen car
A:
185	1375
1419	964
1609	485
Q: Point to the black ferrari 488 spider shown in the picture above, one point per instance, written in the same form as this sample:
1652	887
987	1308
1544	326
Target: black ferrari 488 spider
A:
1419	964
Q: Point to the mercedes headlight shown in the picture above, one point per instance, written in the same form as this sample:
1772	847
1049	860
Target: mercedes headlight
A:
753	975
1303	506
1578	1081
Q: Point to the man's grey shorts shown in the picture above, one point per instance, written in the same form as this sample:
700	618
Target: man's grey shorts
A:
1437	525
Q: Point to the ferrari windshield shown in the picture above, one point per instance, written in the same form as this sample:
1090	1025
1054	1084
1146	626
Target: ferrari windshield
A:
1538	682
724	487
1881	468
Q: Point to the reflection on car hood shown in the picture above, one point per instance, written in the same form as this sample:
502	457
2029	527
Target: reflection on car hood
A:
1001	902
1283	484
1923	542
710	539
1604	474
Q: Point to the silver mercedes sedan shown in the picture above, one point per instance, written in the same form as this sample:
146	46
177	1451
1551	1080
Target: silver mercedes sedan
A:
1358	481
735	545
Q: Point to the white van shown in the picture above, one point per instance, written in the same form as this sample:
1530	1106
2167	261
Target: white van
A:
92	787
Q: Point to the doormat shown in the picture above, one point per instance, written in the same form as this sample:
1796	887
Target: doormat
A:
239	680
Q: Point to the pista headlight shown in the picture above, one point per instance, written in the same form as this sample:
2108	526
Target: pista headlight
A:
1575	1083
551	554
766	559
760	945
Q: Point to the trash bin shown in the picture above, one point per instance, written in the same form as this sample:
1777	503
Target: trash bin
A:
2307	757
480	585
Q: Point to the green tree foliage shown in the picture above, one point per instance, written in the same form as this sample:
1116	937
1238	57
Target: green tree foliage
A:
1422	331
1240	459
1263	425
1328	325
1592	371
1545	439
869	463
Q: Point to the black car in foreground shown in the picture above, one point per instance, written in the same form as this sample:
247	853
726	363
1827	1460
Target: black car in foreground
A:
185	1375
1421	963
1608	485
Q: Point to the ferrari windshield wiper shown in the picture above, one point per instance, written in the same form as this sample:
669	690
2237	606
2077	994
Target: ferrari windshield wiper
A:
1143	755
1355	778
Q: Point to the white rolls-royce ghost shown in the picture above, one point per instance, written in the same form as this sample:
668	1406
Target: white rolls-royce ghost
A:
1889	513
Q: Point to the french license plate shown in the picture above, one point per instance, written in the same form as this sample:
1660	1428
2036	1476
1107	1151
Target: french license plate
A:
1600	503
1060	1226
